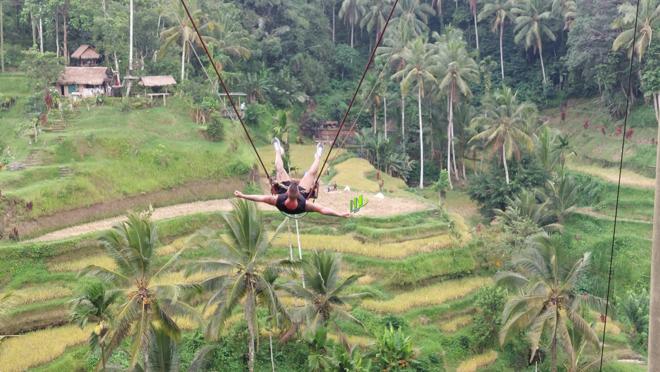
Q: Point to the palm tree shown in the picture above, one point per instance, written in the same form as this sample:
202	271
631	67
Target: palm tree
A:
504	122
132	245
566	9
375	15
241	275
499	10
324	291
412	18
532	18
420	62
473	10
461	69
95	305
548	299
183	32
393	50
351	11
649	19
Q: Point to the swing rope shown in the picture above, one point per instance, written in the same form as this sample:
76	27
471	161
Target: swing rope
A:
224	87
357	90
618	186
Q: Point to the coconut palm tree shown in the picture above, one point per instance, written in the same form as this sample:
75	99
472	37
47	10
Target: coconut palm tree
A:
240	275
499	10
504	125
183	32
566	10
94	304
473	10
460	70
532	18
393	50
412	18
548	299
324	290
649	19
148	304
351	11
375	15
420	63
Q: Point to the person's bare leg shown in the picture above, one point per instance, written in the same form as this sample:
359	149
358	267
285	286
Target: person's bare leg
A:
307	182
280	173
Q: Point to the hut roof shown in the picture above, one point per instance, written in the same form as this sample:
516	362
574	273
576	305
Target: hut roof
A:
85	52
84	75
157	81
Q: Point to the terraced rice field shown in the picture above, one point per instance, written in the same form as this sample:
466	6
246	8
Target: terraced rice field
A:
390	253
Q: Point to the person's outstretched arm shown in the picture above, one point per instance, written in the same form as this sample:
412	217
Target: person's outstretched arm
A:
268	199
325	210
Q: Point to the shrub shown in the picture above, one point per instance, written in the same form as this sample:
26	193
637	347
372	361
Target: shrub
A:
486	324
394	351
490	190
215	130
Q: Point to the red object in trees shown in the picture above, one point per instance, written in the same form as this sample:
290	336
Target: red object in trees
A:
602	318
48	99
587	122
618	131
602	130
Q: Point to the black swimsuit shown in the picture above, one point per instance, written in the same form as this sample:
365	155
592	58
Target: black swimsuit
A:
281	198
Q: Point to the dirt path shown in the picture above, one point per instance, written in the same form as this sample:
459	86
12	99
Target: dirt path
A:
588	211
628	178
337	200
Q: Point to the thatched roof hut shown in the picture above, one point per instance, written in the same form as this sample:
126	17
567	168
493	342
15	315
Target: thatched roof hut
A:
84	76
84	80
157	81
85	52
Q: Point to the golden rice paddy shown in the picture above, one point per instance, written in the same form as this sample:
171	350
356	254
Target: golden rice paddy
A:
428	296
454	324
345	244
39	347
477	362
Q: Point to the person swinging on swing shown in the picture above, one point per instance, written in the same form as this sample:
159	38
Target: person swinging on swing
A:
291	195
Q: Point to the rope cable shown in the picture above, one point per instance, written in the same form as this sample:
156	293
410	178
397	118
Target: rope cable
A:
224	87
618	187
357	90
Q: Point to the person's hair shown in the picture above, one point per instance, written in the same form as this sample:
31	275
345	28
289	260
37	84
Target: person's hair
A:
294	189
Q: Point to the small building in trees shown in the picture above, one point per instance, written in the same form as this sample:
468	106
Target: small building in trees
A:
327	131
85	82
85	55
157	86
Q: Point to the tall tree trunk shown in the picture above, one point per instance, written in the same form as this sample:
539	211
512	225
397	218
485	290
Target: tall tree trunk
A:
183	58
249	312
2	39
130	37
502	49
403	119
476	28
272	359
65	36
453	152
374	122
352	34
105	8
654	318
421	136
542	65
57	33
114	54
41	36
553	349
506	167
33	27
450	102
385	114
334	17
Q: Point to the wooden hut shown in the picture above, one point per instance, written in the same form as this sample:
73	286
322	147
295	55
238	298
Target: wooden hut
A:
85	55
328	130
157	86
85	81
